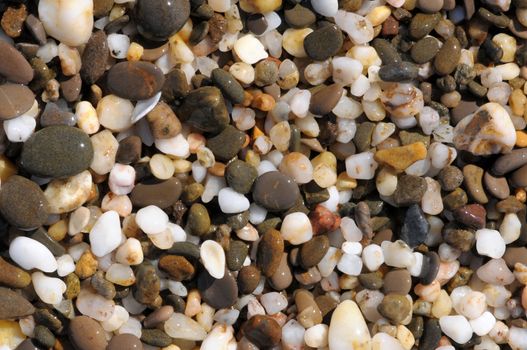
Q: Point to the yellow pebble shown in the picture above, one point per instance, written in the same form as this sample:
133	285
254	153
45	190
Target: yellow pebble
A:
58	230
345	182
87	265
260	6
517	102
293	41
10	334
7	168
135	51
508	44
405	337
378	15
401	157
521	195
182	166
521	139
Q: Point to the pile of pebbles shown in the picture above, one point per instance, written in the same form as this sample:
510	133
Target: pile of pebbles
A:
263	174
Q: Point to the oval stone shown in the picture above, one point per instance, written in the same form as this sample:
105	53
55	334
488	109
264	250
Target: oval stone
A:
14	67
125	341
162	194
135	80
87	334
57	151
275	191
15	100
218	293
323	43
22	203
448	56
159	19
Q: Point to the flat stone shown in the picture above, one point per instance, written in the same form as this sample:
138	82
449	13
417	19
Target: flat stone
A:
87	334
54	115
22	203
187	249
13	305
447	59
57	152
135	80
325	99
12	276
510	161
94	57
518	178
162	195
263	331
228	85
71	88
323	43
158	20
36	28
218	293
204	109
270	250
227	143
240	176
15	67
15	100
386	51
275	191
397	281
425	50
496	186
399	72
177	267
400	158
415	226
257	23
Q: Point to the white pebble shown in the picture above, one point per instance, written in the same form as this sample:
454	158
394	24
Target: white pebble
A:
416	267
346	70
232	202
350	264
361	166
347	108
220	338
397	254
143	107
384	341
118	45
490	243
428	120
48	289
510	228
359	28
131	326
249	49
176	146
350	230
517	338
182	327
219	5
94	305
30	254
70	22
19	129
273	302
151	220
65	265
456	327
121	179
120	274
296	228
317	336
483	324
105	235
354	248
257	214
118	318
373	257
213	185
213	258
327	8
472	305
130	252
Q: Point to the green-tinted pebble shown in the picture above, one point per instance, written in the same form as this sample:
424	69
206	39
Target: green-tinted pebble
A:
198	219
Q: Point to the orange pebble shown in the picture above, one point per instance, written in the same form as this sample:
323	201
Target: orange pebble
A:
264	102
218	169
257	132
248	99
521	195
521	139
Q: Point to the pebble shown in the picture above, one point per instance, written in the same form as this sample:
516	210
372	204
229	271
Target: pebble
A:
240	176
510	161
312	252
359	28
410	190
57	151
12	276
473	176
135	80
213	258
228	85
456	327
296	228
270	251
249	49
401	157
163	194
325	99
124	341
87	334
248	279
395	307
40	258
94	57
275	191
490	243
471	215
401	71
447	58
348	328
22	203
227	143
17	99
397	281
471	133
198	219
68	194
262	331
422	24
425	50
450	178
158	20
70	23
218	293
204	108
323	43
415	226
105	235
13	305
15	68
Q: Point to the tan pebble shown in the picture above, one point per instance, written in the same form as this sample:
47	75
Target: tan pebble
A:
263	102
58	230
429	292
401	157
135	52
161	166
163	121
193	306
87	265
119	203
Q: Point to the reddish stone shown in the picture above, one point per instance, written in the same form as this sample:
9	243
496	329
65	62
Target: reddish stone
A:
323	220
390	26
471	215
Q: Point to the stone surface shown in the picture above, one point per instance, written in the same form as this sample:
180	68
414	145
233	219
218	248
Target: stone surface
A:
204	108
94	57
218	293
87	334
162	194
135	80
270	250
227	143
15	99
15	67
275	191
13	305
158	20
323	43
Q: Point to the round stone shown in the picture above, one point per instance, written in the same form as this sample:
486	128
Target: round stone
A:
263	331
397	281
325	99
57	151
204	109
159	19
248	279
162	194
228	85
15	67
323	43
446	60
227	143
395	307
240	176
312	252
270	250
135	80
15	100
125	341
218	293
275	191
425	50
87	334
22	203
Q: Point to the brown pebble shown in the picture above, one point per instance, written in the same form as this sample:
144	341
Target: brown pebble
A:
263	331
313	251
71	88
218	293
12	276
282	278
15	99
87	334
164	123
270	251
473	176
308	312
471	215
135	80
397	281
158	316
515	255
510	205
446	60
324	100
178	267
248	279
36	28
497	186
13	20
94	58
129	150
519	177
125	342
163	194
13	305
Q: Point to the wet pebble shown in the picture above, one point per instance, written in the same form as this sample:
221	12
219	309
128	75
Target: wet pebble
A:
397	72
270	250
236	254
228	85
87	334
496	186
323	43
218	293
158	20
204	108
15	67
135	80
262	331
324	100
177	267
248	279
16	99
425	50
395	307
275	191
415	226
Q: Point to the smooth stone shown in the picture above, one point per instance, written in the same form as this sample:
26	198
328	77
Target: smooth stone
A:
395	307
43	336
248	279
283	277
422	24
15	100
218	293
257	23
158	316
71	88
265	73
228	85
459	238
510	205
430	6
450	178
177	267
363	136
431	334
13	305
397	281
263	331
496	186
447	59
515	255
176	85
410	190
162	195
371	281
348	329
312	252
87	334
146	289
510	161
15	67
270	250
519	177
27	345
94	58
186	249
102	8
240	176
471	215
463	109
275	191
236	254
12	276
299	16
323	43
386	51
430	270
22	203
43	237
155	337
125	342
227	143
54	115
473	176
163	122
325	99
57	152
455	199
159	19
135	80
415	226
204	108
36	28
129	150
425	50
198	219
397	72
